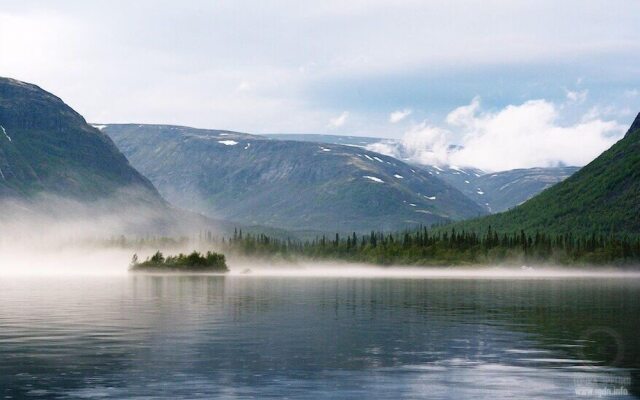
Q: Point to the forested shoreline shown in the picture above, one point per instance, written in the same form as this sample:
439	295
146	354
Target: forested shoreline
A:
429	248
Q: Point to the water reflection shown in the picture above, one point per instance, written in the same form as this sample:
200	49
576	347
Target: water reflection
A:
234	336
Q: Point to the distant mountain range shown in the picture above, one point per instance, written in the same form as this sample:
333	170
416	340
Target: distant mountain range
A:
287	184
503	190
602	197
318	183
495	192
357	141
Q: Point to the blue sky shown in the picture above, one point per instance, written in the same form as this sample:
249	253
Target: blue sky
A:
328	67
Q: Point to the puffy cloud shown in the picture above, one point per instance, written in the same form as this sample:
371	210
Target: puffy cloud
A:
427	144
286	51
528	135
422	144
339	120
399	115
517	136
578	96
465	115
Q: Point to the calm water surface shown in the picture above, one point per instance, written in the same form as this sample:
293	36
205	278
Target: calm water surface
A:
259	337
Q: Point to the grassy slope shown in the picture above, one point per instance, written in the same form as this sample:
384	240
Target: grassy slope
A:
602	196
45	146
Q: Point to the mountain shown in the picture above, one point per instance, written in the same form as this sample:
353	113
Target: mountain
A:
58	172
46	147
507	189
495	192
358	141
602	197
503	190
287	184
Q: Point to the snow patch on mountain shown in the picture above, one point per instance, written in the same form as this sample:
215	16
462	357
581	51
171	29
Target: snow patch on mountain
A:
5	132
456	168
373	178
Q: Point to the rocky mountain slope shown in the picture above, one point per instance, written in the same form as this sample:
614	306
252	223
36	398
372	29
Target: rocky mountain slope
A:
495	192
502	190
46	147
58	171
287	184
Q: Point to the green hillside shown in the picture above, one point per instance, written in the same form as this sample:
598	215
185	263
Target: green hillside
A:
292	185
47	147
602	197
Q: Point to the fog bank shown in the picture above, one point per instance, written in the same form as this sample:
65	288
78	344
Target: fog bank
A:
55	236
50	234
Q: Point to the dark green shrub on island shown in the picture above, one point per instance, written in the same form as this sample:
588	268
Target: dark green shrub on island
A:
194	262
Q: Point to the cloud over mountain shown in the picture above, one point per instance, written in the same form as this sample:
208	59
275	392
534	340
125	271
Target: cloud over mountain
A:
517	136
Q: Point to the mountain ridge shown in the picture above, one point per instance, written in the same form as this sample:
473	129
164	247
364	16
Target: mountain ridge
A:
287	184
601	198
46	146
55	169
518	185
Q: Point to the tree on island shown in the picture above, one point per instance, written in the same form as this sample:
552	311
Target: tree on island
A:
193	262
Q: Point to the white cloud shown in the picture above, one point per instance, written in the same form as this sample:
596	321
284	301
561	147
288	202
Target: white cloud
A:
578	96
464	115
422	144
223	60
528	135
339	120
243	86
517	136
399	115
386	147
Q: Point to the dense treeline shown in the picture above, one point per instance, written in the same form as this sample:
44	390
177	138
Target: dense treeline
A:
194	262
603	195
425	247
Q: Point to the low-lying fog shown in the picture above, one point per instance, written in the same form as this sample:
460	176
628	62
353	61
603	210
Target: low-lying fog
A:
54	240
24	259
103	261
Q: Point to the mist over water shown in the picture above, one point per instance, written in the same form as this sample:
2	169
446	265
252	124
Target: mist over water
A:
59	236
75	323
54	235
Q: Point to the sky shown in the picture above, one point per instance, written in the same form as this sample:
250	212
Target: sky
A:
516	83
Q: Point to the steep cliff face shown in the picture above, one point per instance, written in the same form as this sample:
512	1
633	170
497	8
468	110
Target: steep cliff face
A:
47	147
635	127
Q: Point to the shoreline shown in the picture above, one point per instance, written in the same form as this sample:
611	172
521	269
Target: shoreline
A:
344	270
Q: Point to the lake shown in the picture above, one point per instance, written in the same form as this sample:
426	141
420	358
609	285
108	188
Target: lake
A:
168	336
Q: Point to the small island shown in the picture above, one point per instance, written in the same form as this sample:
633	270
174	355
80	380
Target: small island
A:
194	262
